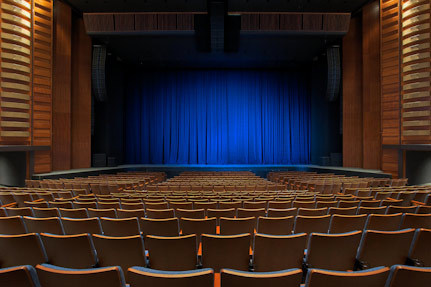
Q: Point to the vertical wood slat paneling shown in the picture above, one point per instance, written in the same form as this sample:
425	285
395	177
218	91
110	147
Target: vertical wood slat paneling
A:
416	71
42	82
371	86
81	96
352	95
390	82
15	72
61	101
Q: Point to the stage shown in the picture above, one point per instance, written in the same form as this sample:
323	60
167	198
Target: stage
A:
173	170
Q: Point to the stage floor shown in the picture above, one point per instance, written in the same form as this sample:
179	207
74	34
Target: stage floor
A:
175	169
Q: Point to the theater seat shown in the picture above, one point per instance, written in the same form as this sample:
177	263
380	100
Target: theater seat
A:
231	226
198	227
140	276
125	251
284	278
120	226
226	251
333	251
12	225
19	211
160	227
278	252
347	223
342	211
384	248
24	249
54	276
46	212
99	212
384	222
273	212
160	213
81	225
420	250
190	213
410	220
48	225
69	251
309	224
375	277
74	212
402	276
177	253
275	225
19	276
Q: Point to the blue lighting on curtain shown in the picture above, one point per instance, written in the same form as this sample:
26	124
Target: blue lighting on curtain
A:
217	117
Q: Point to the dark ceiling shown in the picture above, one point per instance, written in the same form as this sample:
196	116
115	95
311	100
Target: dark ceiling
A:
269	50
201	5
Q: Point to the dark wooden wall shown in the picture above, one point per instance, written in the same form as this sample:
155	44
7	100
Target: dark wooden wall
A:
352	95
81	96
361	90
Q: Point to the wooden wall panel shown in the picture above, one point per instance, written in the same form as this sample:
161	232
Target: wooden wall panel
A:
352	95
61	102
371	85
42	82
15	71
416	71
124	22
81	96
390	82
269	22
291	22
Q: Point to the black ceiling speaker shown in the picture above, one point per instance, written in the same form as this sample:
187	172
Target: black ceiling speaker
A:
98	76
334	73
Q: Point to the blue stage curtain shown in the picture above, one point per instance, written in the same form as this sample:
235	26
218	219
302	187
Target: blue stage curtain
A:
217	117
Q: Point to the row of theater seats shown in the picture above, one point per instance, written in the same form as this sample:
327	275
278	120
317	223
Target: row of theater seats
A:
212	225
355	250
270	253
46	275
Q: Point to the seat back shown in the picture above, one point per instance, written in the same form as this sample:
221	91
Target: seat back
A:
125	251
245	212
50	275
231	226
279	204
375	277
177	253
419	252
73	213
384	248
278	252
411	220
24	249
233	278
372	210
388	222
342	210
347	223
20	276
226	251
46	212
402	276
47	225
97	212
81	225
400	209
198	227
190	213
120	226
11	225
312	211
128	213
19	211
140	276
160	227
333	251
282	212
309	224
160	213
275	225
70	251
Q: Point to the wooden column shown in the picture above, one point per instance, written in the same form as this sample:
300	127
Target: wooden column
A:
81	96
352	95
371	85
61	103
42	82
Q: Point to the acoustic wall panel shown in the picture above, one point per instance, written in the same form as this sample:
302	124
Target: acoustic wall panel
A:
15	71
42	82
390	82
416	72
